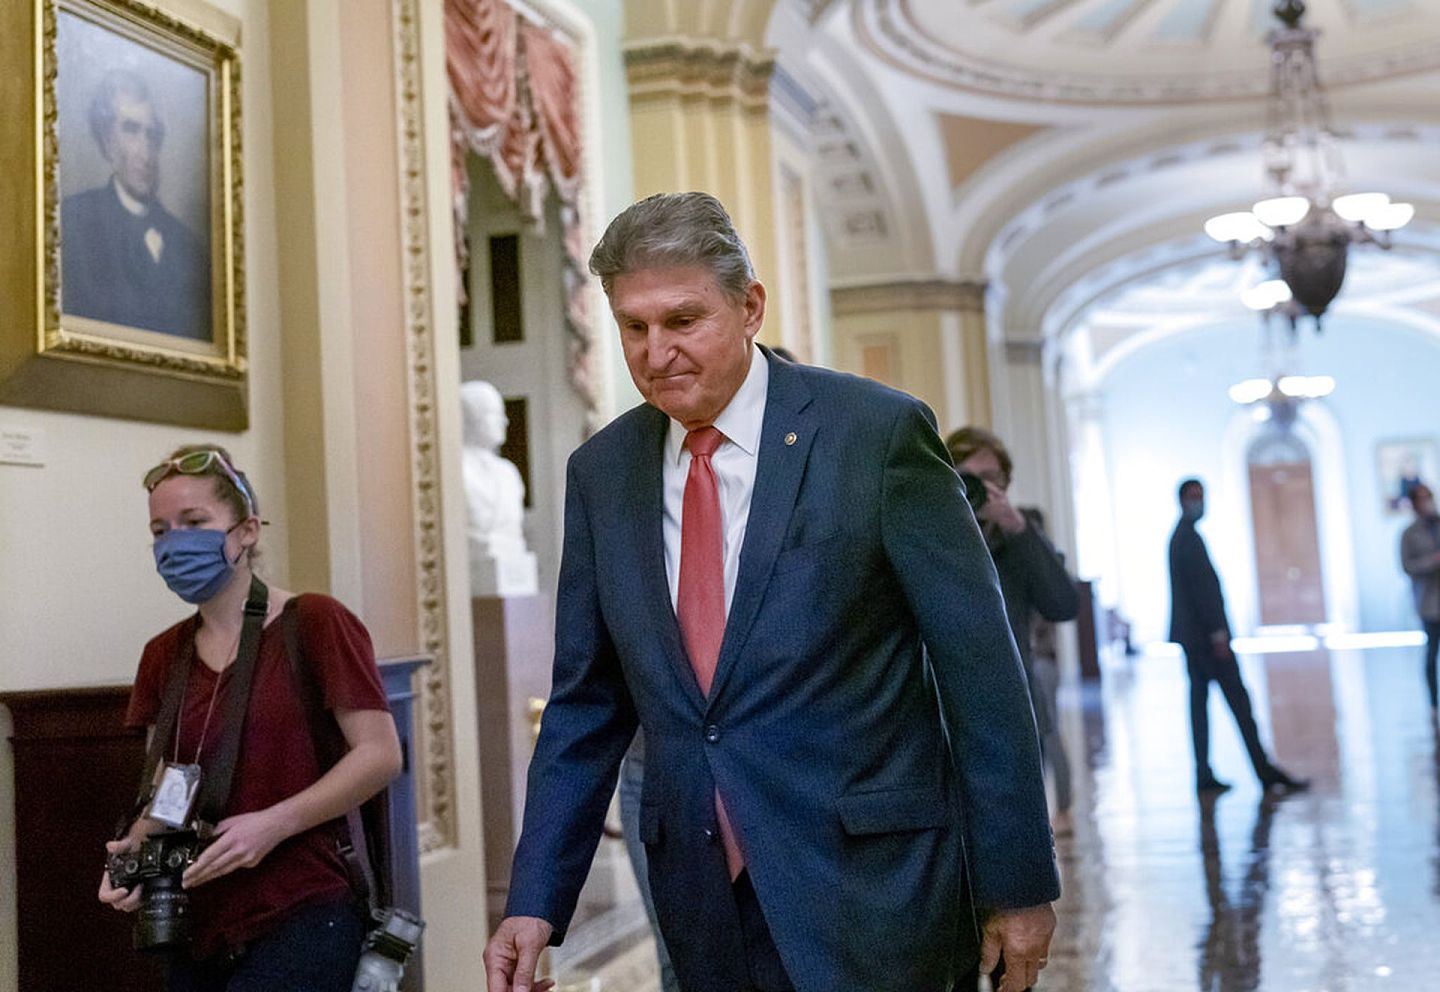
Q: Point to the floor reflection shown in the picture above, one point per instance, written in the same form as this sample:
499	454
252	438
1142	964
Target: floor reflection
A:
1337	889
1334	890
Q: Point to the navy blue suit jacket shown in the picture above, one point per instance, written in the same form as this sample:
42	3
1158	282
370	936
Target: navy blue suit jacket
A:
869	724
1197	605
107	272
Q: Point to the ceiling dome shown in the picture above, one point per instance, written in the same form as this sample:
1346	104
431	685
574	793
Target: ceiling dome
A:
1137	51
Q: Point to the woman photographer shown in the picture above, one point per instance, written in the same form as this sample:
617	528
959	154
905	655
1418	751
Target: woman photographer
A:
271	904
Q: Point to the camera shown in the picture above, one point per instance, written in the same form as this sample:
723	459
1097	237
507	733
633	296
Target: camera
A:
386	949
975	492
163	920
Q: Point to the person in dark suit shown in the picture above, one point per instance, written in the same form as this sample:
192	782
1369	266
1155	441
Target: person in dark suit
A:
1198	623
125	259
772	569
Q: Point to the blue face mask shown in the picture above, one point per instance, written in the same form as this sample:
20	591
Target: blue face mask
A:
193	563
1193	510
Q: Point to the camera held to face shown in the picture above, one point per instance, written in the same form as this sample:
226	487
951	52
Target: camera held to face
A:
975	491
163	920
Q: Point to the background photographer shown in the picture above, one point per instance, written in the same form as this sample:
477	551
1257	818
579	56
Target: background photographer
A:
272	907
1033	581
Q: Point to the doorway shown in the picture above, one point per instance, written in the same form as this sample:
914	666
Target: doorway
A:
1287	538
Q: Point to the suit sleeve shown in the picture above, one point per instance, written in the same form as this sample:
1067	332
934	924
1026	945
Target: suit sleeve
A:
1417	555
936	550
1205	603
588	723
1048	584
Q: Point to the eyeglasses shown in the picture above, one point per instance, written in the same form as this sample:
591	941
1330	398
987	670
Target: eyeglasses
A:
198	463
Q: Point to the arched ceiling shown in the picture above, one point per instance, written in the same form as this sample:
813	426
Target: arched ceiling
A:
1135	52
1144	212
1402	284
1035	194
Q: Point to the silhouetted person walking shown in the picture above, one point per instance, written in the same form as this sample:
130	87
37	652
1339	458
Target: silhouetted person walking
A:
1420	556
1199	624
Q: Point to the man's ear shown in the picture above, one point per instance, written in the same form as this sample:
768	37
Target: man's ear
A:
754	307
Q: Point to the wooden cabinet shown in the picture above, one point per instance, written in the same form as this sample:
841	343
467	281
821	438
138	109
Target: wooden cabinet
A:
75	772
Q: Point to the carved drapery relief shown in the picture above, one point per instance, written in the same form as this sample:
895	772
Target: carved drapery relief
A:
515	101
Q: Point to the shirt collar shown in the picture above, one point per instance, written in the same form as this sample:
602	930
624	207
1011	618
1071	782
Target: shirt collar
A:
743	417
129	202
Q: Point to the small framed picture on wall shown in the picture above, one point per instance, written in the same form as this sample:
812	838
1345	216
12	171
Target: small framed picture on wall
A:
1404	463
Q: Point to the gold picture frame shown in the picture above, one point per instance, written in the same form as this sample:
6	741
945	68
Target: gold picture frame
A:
122	291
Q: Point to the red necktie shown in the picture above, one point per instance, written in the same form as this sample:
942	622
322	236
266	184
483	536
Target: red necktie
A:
700	604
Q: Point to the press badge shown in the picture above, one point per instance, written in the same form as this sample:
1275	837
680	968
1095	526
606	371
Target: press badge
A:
176	789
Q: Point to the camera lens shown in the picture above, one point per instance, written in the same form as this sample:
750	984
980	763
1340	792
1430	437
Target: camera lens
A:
163	920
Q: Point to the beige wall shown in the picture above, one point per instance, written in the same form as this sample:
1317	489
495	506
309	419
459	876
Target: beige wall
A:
382	407
904	349
78	591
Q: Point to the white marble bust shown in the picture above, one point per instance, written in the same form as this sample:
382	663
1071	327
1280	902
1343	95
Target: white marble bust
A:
501	564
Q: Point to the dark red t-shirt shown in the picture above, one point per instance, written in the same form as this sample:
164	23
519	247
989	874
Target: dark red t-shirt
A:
277	759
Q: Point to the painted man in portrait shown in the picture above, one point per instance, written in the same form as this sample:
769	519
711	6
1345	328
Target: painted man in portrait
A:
126	259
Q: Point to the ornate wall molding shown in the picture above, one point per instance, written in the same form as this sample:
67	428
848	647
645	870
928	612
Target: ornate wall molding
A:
720	71
891	31
437	813
962	295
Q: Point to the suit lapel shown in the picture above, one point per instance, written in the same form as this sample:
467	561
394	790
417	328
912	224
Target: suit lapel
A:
785	441
647	513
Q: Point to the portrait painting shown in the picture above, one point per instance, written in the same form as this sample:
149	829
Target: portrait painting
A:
134	182
1403	464
127	113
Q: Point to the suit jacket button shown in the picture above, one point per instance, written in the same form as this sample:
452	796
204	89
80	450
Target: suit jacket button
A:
711	835
712	734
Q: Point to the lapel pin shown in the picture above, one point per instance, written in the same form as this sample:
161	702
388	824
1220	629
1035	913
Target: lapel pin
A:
790	438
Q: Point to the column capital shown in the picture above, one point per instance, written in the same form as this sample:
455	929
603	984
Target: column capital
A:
958	295
718	70
1025	351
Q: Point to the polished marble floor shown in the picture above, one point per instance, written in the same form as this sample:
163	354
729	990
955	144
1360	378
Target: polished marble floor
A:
1334	890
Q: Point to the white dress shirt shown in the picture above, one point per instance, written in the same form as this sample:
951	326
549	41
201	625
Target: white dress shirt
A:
734	464
154	240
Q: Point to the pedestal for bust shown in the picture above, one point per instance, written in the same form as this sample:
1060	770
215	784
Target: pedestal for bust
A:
514	647
509	574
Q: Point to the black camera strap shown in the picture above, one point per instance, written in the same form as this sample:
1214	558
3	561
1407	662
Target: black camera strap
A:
220	769
366	863
215	789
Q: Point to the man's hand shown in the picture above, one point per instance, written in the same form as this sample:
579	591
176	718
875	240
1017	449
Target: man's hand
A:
998	511
513	952
1220	643
1023	937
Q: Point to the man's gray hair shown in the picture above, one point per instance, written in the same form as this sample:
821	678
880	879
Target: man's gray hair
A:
670	230
102	103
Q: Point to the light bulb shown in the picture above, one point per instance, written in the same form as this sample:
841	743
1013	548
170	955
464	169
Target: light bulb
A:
1359	207
1250	391
1240	226
1306	387
1282	211
1391	217
1270	293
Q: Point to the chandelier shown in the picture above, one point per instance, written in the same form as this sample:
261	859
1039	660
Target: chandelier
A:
1302	229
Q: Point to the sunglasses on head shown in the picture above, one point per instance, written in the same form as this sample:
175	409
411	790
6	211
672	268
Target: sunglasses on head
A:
199	463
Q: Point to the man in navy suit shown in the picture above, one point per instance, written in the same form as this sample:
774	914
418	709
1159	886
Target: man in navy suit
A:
772	569
1200	625
125	258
